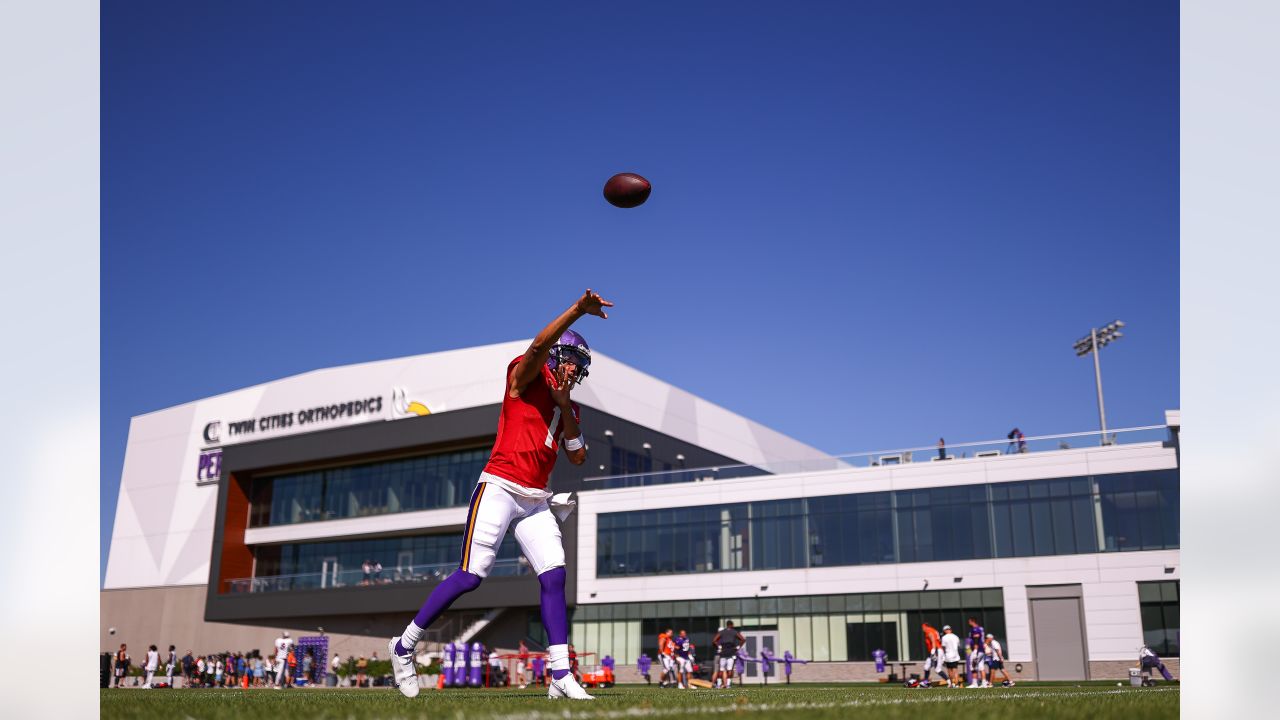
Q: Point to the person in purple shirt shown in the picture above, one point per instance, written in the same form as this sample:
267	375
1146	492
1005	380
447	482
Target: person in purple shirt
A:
642	664
787	659
977	638
607	662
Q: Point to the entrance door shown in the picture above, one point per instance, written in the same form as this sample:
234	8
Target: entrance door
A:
1058	637
329	572
757	639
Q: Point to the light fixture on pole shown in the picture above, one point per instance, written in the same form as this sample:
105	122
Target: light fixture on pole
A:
1092	343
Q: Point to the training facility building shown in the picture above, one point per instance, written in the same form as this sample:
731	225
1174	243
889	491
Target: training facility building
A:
336	499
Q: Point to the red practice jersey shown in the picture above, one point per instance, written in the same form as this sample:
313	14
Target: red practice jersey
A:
932	641
529	433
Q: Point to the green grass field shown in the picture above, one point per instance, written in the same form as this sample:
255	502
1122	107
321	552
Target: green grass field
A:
1094	701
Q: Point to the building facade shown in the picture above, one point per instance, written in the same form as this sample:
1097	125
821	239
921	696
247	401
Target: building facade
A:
336	499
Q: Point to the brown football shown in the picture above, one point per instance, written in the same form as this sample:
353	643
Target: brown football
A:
627	190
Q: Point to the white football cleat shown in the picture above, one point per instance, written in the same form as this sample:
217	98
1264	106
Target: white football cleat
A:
567	687
406	673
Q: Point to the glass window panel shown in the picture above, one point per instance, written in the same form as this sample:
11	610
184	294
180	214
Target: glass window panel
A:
804	636
1169	591
821	639
993	598
1148	592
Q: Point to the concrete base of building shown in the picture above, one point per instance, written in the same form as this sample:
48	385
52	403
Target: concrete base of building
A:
175	616
826	672
1119	669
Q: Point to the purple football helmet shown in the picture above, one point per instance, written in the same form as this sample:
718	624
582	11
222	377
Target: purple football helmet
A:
571	347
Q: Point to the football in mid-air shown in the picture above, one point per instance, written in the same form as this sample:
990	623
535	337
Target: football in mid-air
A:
627	190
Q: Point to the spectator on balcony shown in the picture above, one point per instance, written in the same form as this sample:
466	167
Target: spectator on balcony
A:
367	568
1017	441
377	571
942	449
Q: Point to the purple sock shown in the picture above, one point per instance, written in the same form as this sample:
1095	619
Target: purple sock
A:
555	613
455	586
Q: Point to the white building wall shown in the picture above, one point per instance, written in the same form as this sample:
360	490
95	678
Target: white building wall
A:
1108	580
164	521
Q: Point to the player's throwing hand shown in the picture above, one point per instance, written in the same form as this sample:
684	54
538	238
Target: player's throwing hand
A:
592	304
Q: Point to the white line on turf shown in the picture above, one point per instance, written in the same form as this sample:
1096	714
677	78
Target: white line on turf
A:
735	707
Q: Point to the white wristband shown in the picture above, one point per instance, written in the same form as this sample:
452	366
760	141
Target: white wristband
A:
573	443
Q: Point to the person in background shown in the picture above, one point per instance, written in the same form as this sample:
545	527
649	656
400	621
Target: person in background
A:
282	653
995	661
188	668
933	654
218	669
951	656
573	663
171	664
121	665
308	661
1149	660
495	669
522	664
367	569
377	571
361	666
259	672
727	642
153	662
788	658
643	664
942	449
336	664
665	647
683	662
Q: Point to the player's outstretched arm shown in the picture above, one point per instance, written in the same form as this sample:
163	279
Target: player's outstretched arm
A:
536	356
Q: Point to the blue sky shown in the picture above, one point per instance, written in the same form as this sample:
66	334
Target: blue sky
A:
872	223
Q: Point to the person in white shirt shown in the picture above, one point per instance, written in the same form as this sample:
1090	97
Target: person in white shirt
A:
335	665
282	656
153	662
951	655
171	663
995	661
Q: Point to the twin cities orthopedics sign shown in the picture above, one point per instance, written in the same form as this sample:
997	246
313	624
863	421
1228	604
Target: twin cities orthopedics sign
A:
218	433
299	419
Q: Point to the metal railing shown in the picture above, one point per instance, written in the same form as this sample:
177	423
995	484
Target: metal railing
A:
982	449
356	577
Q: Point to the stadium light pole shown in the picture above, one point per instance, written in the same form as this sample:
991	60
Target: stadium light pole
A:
1095	341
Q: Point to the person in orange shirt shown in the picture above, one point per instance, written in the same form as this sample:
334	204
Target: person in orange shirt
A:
293	668
665	649
933	654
